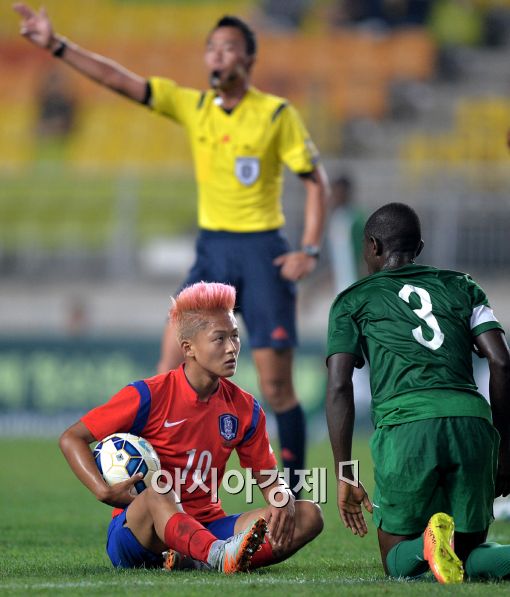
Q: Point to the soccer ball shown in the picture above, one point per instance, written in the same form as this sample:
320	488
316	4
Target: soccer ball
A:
122	455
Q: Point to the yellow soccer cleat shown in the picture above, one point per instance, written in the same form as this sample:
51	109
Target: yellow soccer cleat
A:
438	549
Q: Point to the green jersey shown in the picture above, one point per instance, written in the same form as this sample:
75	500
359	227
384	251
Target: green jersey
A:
415	326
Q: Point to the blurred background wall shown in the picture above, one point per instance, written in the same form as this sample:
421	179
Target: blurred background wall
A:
407	100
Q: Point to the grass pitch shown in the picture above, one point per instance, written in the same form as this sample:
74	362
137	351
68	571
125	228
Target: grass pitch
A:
52	538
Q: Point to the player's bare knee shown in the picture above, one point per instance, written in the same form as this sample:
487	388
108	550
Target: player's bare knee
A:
310	519
309	524
157	497
152	496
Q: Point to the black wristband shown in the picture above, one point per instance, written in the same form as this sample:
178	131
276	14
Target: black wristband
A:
58	52
148	94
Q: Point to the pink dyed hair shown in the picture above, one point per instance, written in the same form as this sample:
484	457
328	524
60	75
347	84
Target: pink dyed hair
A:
190	308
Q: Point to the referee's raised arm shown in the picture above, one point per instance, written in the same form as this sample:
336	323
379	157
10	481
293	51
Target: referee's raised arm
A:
37	28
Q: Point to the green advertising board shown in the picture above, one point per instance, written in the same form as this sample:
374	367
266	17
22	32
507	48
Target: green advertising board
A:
55	375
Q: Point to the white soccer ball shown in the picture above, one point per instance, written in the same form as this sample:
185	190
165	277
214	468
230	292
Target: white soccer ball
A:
122	455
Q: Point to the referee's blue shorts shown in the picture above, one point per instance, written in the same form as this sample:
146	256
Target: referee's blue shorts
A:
266	301
125	551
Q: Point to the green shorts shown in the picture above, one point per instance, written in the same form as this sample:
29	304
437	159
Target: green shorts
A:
435	465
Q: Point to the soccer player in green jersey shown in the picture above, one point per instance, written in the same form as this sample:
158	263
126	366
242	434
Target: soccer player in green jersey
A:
241	139
441	453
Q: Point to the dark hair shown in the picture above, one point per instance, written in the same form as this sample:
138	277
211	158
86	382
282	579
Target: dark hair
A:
248	33
396	226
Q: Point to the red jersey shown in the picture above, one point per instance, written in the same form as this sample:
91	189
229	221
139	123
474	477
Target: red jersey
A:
190	436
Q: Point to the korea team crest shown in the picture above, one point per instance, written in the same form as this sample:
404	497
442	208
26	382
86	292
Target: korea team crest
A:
247	170
228	426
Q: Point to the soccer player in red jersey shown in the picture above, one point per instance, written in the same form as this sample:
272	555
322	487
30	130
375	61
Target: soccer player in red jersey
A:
194	417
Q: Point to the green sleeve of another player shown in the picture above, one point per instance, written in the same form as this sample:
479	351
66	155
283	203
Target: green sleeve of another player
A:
482	316
343	331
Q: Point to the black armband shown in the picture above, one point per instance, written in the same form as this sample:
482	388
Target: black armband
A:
312	175
148	94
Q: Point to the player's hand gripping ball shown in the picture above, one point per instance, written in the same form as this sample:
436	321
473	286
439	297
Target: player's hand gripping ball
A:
122	455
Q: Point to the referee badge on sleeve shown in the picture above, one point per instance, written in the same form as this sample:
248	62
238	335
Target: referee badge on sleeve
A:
247	170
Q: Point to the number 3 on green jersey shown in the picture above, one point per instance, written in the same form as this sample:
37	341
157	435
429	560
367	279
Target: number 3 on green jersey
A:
425	313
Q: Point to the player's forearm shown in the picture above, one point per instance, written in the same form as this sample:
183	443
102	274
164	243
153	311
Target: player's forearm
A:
493	346
77	453
317	191
340	415
499	387
102	70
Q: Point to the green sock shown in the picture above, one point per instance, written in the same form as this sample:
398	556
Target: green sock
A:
405	559
489	560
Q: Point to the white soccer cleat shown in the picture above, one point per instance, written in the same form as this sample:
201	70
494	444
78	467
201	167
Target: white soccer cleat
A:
234	554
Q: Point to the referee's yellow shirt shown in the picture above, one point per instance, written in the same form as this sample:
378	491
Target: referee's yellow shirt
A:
239	156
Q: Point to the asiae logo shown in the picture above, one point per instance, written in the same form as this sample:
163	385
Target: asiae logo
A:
228	426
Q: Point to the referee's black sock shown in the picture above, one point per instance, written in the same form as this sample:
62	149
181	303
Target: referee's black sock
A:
292	434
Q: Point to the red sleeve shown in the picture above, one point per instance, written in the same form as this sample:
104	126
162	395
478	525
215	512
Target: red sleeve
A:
116	416
256	452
